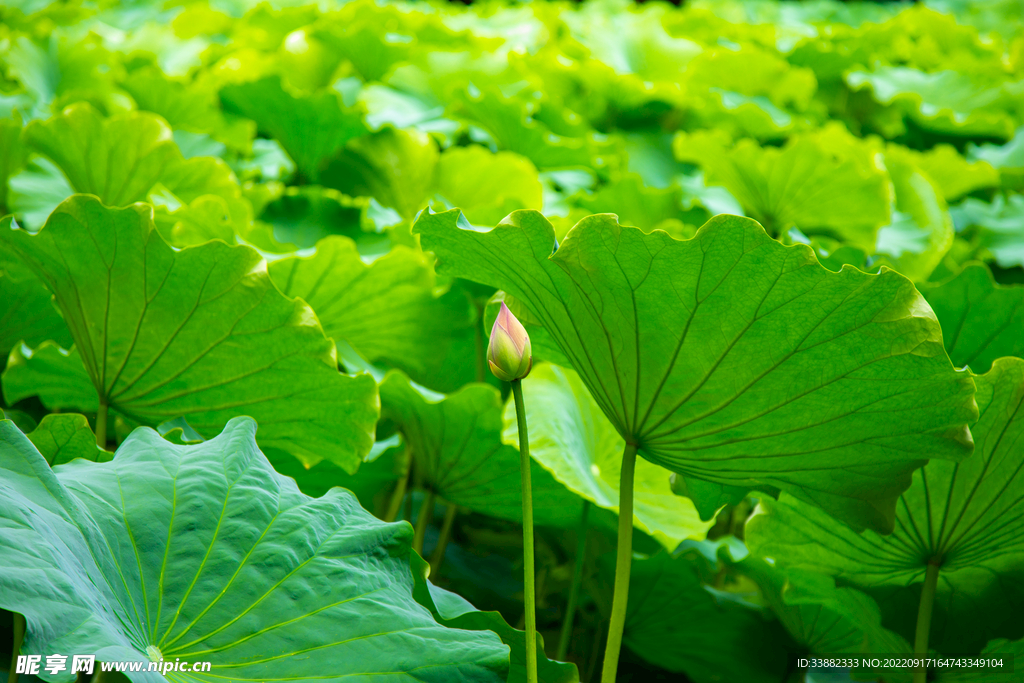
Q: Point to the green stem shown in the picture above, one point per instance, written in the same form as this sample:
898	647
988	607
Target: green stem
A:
529	596
623	558
924	618
423	521
19	638
101	425
397	496
574	590
97	675
442	542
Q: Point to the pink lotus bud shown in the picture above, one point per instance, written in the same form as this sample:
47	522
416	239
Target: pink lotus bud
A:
508	352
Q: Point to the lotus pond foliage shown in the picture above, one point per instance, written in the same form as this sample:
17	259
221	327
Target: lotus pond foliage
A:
517	341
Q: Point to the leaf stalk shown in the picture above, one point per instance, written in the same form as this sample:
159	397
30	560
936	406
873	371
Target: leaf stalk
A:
398	495
423	521
442	542
529	594
623	560
924	618
101	425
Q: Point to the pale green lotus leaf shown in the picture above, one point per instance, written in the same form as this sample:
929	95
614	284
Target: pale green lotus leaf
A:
205	553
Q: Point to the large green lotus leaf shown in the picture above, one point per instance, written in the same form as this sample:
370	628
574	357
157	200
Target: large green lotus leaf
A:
953	174
825	182
921	230
454	611
571	438
27	313
457	451
981	320
675	622
311	128
946	101
1000	226
968	517
13	155
387	310
732	358
200	333
204	553
62	437
487	187
395	167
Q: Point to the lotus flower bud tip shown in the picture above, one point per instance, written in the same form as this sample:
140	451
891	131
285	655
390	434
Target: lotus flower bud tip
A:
508	351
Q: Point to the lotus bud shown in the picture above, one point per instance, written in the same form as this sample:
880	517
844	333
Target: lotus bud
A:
508	351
